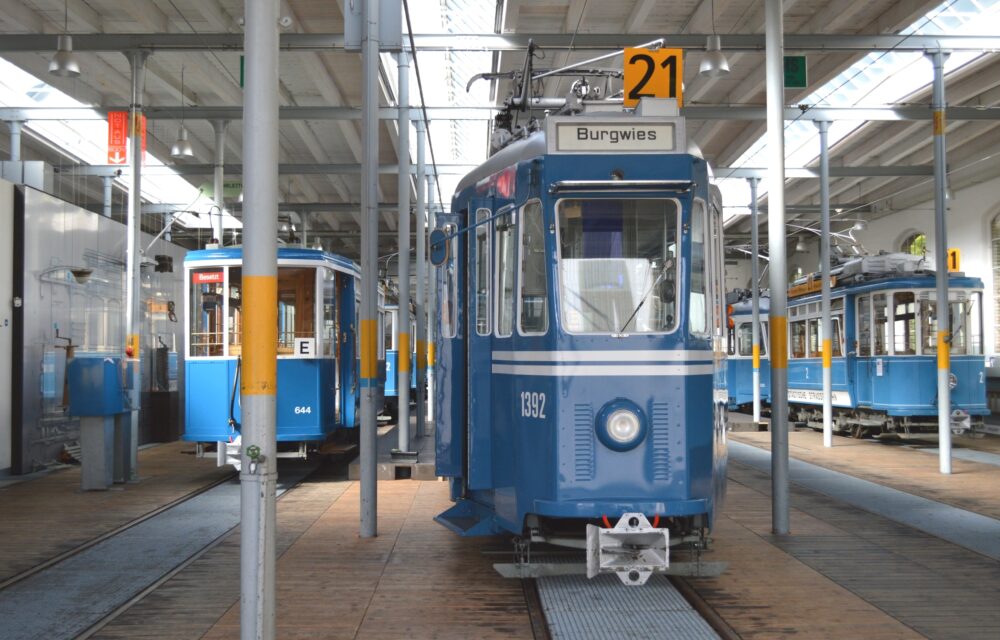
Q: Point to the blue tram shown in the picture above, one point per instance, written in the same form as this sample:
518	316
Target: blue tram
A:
884	365
581	355
391	341
739	364
318	388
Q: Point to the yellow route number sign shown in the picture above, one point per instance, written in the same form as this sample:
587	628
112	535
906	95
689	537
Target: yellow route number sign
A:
954	260
653	73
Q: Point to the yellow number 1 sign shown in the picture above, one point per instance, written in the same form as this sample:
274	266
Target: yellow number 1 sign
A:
653	74
954	260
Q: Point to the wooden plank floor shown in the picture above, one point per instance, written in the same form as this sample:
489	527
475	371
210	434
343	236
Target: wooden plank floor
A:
972	485
415	580
46	516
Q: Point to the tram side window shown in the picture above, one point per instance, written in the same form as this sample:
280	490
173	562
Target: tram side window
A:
880	328
207	329
483	279
815	343
838	335
534	303
904	323
746	339
331	319
449	293
506	227
296	306
798	338
965	329
864	326
698	323
235	327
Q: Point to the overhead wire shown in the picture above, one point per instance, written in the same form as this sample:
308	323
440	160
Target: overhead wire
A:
423	103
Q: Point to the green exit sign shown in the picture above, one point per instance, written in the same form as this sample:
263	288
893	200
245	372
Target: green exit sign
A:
795	72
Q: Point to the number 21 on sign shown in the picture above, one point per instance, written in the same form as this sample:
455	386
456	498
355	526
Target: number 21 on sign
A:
653	73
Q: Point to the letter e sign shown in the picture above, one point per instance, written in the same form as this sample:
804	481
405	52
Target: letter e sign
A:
305	347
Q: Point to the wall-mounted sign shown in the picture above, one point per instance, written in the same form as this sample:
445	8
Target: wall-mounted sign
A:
954	260
795	72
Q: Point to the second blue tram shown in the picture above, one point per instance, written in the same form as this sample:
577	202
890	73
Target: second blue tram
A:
391	341
317	384
581	348
739	376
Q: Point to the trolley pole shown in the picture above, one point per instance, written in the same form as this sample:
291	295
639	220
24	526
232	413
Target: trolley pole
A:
219	126
826	330
369	266
423	195
403	315
258	380
129	439
941	258
774	65
755	296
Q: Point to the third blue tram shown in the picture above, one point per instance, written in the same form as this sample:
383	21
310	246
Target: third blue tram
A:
884	366
390	339
739	376
581	352
317	384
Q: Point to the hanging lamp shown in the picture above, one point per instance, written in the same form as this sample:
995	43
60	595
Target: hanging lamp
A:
64	63
182	149
713	63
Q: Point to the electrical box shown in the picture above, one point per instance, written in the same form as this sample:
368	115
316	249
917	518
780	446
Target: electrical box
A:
96	386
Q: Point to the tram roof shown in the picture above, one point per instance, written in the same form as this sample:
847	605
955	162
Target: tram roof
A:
235	254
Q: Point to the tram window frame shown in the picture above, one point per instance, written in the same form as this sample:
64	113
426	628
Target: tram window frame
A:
881	327
331	317
797	333
505	246
699	227
532	261
863	322
971	330
449	288
483	285
196	306
904	323
672	239
744	340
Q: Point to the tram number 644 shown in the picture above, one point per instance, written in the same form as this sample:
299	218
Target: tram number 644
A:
532	404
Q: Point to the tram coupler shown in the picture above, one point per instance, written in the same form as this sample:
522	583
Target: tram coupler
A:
633	549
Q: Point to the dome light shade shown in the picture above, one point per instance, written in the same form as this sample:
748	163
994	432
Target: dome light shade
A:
860	225
64	63
182	149
800	246
714	63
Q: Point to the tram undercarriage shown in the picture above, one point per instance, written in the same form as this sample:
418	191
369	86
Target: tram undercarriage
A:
860	423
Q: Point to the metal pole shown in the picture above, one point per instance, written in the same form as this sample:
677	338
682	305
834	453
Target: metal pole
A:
422	319
403	324
217	183
755	293
422	197
431	325
941	258
15	140
369	266
133	286
258	379
778	320
826	328
107	195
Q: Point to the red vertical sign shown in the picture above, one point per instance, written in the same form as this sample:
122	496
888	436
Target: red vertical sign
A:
117	137
143	126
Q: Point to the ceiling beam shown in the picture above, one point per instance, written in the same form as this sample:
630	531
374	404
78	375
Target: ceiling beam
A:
503	42
233	169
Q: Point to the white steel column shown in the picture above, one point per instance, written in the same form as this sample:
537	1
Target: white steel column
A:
258	380
941	259
778	325
403	316
369	267
106	180
219	126
755	296
133	287
422	198
826	329
15	139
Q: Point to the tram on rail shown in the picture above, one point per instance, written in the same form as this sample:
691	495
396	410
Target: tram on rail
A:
739	364
580	395
318	389
884	366
391	341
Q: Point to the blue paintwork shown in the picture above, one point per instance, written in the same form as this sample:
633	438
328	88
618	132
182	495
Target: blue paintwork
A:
504	467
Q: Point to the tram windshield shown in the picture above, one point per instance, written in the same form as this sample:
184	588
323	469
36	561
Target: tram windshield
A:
217	305
618	260
966	335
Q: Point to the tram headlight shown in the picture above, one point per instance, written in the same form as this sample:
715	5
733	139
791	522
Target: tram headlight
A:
621	425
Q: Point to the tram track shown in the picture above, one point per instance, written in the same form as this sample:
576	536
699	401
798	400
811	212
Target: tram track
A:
95	582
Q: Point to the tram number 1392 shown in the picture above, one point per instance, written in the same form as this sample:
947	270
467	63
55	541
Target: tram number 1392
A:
532	404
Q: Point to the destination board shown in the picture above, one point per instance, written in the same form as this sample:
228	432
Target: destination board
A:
614	137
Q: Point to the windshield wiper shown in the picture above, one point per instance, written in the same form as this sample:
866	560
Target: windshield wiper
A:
663	272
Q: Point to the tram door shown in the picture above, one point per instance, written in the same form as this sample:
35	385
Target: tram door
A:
347	363
480	359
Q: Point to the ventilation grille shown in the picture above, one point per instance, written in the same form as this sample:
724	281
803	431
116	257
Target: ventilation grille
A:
660	425
583	442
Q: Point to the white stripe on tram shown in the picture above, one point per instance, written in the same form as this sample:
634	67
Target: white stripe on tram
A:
603	370
666	355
